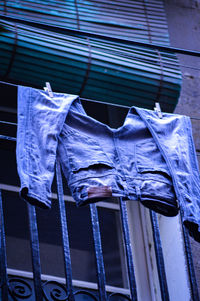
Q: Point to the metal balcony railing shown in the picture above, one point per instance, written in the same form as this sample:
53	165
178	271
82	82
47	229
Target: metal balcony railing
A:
18	289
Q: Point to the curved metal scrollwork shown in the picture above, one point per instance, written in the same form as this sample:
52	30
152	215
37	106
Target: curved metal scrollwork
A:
118	295
19	288
55	291
84	292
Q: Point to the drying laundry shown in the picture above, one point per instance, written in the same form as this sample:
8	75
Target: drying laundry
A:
147	159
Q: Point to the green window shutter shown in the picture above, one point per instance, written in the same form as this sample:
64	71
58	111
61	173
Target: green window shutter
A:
100	70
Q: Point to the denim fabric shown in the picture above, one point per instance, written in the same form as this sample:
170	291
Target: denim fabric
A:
99	161
147	159
40	121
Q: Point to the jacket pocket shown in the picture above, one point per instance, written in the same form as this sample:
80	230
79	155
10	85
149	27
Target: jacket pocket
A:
92	168
150	160
85	155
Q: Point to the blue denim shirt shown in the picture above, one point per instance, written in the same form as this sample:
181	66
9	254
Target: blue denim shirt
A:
147	159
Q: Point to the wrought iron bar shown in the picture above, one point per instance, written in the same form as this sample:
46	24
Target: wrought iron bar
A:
3	261
7	138
35	252
159	256
129	256
190	265
101	278
65	236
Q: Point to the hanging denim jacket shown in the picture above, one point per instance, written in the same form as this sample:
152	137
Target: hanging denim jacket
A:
147	159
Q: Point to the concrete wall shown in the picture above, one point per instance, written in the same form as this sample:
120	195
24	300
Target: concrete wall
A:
184	27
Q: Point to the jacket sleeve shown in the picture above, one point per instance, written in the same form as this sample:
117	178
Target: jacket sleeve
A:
40	121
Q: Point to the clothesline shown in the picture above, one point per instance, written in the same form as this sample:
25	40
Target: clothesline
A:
85	99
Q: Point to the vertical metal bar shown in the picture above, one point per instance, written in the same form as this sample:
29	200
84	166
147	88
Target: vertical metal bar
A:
159	256
3	261
65	236
101	278
129	256
190	265
35	252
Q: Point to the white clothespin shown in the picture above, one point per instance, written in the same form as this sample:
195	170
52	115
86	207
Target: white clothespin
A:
48	89
158	109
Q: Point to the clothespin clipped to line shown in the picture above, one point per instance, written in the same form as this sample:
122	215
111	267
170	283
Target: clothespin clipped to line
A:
48	89
158	109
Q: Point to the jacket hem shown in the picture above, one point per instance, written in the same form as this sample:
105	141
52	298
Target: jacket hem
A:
34	199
